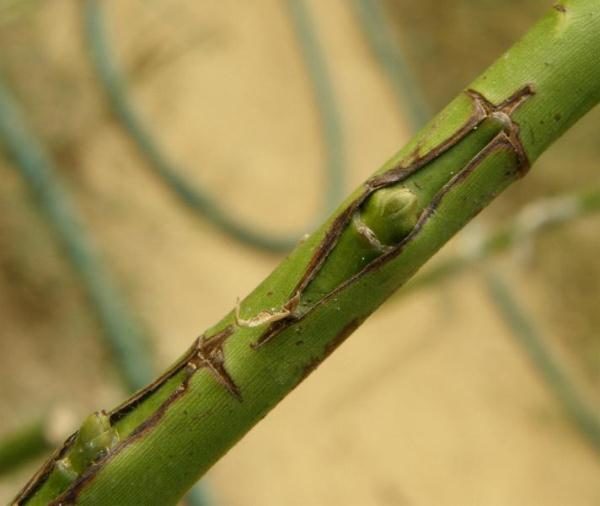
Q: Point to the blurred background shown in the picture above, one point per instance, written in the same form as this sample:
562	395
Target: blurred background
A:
156	158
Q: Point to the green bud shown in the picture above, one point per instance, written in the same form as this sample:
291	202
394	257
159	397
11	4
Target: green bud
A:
95	438
391	213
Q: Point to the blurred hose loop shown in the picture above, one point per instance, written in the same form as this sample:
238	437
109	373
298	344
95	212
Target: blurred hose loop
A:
529	337
123	334
387	52
196	198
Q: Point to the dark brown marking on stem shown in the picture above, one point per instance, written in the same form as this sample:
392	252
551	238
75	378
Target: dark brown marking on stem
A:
208	350
503	112
38	479
482	110
560	8
330	347
508	106
398	174
328	243
500	141
205	352
134	401
210	354
513	138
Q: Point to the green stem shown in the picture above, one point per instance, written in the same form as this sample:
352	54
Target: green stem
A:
524	330
173	431
196	198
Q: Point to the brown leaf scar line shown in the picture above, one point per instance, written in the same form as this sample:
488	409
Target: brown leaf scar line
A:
482	109
209	354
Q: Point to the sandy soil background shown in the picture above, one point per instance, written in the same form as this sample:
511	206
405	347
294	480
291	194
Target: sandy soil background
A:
431	401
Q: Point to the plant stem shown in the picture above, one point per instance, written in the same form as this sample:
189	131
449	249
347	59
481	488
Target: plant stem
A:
196	198
170	433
